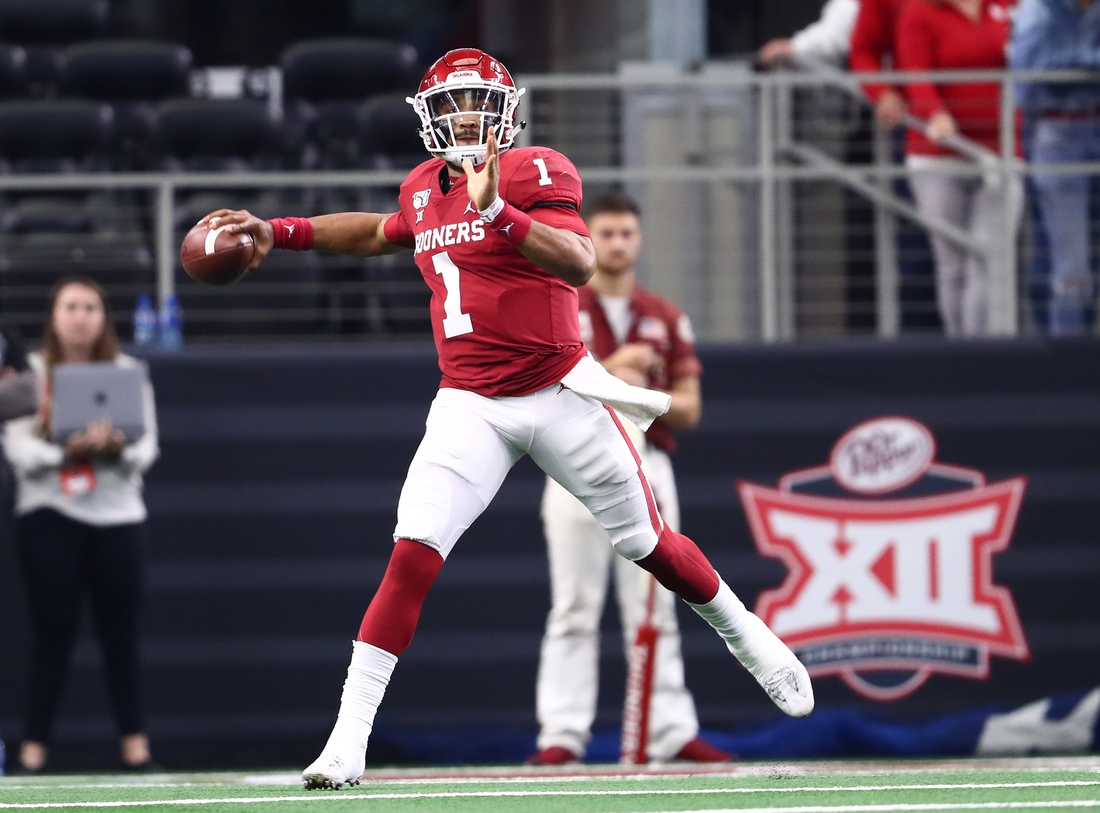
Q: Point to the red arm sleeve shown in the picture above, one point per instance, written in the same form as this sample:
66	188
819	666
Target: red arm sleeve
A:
871	39
397	231
915	48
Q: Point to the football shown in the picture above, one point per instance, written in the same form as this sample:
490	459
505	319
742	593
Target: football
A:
214	256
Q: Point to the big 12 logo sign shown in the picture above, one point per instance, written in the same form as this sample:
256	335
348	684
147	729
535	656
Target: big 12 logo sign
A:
890	559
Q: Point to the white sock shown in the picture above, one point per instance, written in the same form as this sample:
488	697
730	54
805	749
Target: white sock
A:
368	676
746	636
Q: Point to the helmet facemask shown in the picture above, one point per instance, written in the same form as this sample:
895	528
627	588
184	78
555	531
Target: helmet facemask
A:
462	110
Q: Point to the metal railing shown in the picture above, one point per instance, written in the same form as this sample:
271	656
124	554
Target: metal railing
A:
721	159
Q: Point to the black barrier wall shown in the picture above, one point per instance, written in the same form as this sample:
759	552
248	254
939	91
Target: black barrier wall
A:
275	497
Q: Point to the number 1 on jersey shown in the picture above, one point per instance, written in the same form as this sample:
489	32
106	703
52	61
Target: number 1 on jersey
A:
455	323
544	176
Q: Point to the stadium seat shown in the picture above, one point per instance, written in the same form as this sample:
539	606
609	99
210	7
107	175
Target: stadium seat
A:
389	134
216	135
31	264
42	27
53	22
325	81
131	75
287	299
53	136
13	71
346	69
126	70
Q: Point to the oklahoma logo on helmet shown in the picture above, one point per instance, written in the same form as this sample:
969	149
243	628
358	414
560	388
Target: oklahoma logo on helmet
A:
885	590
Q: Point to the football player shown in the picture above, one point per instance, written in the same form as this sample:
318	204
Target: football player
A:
497	234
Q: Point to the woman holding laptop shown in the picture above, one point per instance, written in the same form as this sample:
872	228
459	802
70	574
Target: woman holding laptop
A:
79	526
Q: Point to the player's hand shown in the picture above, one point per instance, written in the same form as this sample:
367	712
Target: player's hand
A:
483	187
635	355
241	221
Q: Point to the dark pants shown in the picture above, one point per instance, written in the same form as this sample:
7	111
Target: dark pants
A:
61	559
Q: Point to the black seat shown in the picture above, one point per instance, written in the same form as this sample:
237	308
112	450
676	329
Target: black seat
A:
216	135
389	134
13	71
31	264
131	75
53	136
53	21
347	69
325	81
285	299
42	27
126	70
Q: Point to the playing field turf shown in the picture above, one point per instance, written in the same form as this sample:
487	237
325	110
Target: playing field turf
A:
805	787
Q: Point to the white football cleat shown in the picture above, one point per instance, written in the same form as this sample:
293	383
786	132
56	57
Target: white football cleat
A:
332	772
790	689
774	666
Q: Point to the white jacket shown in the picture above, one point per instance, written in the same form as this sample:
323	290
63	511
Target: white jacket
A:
116	498
830	38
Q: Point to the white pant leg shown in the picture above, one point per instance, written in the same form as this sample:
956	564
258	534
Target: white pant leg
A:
579	444
672	718
568	679
469	446
992	204
947	198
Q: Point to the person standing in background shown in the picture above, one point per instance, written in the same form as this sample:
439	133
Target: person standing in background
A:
960	35
1051	35
79	526
829	38
646	341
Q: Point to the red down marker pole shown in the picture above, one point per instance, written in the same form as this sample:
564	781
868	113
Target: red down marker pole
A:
639	687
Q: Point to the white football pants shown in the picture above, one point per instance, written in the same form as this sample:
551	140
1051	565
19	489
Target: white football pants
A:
471	441
580	560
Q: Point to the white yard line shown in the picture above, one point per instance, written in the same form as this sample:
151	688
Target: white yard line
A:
343	796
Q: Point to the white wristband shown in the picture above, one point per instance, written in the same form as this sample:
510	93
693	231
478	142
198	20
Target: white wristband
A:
490	212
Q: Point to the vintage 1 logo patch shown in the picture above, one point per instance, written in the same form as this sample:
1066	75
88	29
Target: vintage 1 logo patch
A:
890	559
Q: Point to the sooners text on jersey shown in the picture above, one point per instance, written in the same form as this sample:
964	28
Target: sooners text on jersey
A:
891	562
502	325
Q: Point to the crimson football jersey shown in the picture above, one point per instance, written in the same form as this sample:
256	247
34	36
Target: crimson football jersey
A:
654	321
502	325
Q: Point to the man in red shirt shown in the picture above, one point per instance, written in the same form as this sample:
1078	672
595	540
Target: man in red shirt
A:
503	250
645	340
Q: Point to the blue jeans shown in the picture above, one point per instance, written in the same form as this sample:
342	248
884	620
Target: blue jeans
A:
1064	202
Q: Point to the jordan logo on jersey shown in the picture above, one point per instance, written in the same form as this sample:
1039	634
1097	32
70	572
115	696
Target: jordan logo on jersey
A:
891	562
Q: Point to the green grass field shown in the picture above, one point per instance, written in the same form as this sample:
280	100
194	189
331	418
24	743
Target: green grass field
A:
802	787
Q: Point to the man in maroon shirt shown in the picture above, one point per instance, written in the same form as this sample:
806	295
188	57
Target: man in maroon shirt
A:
502	249
645	340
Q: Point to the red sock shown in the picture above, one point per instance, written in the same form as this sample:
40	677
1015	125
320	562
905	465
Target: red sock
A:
391	618
678	564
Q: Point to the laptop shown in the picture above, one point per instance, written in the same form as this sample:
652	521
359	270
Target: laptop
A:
86	393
